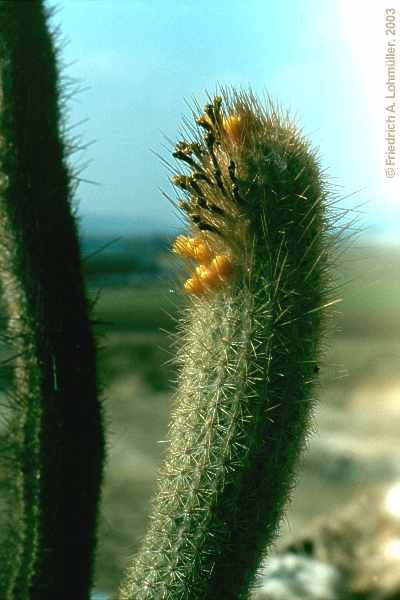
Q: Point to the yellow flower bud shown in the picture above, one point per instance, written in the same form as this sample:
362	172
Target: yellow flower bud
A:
210	278
184	246
202	252
201	272
222	265
193	285
233	126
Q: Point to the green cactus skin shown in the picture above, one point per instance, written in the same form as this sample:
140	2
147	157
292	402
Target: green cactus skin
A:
249	350
54	453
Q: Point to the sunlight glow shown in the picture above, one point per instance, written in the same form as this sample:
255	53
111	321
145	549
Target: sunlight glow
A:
392	501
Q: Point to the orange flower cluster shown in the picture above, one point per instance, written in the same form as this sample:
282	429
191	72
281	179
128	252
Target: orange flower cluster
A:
213	269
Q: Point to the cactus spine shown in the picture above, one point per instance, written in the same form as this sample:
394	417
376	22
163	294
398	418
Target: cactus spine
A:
249	348
54	452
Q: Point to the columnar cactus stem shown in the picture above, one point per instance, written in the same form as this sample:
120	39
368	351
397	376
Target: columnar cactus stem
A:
250	346
56	436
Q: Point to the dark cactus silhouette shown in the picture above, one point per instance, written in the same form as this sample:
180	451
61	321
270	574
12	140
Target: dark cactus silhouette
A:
249	342
54	451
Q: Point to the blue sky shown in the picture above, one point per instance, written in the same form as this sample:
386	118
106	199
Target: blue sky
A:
143	60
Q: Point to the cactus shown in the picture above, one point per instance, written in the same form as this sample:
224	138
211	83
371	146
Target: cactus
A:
249	342
249	346
53	454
